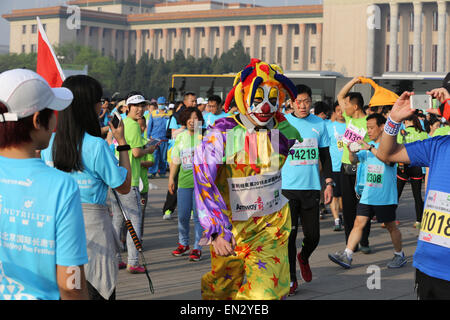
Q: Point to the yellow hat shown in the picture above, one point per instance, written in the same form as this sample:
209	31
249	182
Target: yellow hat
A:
382	96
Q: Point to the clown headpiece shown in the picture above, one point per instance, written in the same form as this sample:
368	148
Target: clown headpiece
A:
381	96
258	90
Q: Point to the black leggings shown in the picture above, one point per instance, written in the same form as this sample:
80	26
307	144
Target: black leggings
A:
303	204
349	204
414	175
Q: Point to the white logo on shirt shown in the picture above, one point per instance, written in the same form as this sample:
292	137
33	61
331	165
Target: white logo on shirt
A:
11	289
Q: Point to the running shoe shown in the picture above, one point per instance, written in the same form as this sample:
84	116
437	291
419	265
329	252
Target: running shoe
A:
167	215
122	265
180	251
338	227
341	259
397	262
135	269
195	255
417	225
304	269
293	288
365	250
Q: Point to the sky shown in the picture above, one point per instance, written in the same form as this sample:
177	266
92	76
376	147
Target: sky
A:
6	6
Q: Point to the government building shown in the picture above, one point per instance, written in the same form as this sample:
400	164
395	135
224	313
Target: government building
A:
350	37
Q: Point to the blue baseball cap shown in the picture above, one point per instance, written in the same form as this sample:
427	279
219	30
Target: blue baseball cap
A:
161	100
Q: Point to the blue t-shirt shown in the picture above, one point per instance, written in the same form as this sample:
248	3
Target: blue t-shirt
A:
101	169
301	169
41	226
379	180
336	133
210	118
431	258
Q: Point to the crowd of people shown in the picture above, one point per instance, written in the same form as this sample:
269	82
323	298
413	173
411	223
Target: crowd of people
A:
67	172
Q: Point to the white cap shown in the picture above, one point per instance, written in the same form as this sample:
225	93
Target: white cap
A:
201	101
24	92
136	99
171	106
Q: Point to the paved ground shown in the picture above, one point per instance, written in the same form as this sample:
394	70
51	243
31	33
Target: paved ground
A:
179	279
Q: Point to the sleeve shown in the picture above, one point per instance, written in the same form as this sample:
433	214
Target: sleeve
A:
70	238
324	137
176	150
420	152
149	126
173	123
208	157
106	167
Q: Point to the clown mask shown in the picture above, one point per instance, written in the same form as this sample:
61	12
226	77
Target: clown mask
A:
264	105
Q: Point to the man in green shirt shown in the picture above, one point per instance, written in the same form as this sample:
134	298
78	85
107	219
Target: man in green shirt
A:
131	202
356	129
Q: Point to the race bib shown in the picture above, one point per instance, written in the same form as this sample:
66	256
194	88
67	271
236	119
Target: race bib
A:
435	226
340	142
353	134
375	175
255	196
304	153
187	157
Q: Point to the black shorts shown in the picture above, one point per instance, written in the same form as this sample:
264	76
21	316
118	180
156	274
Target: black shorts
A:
383	213
430	288
337	178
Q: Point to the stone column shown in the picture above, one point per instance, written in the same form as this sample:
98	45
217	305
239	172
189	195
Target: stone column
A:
126	44
207	42
303	45
138	45
100	39
253	47
151	44
269	42
87	31
179	33
393	40
222	40
113	42
417	52
370	51
319	28
442	19
285	47
192	41
165	35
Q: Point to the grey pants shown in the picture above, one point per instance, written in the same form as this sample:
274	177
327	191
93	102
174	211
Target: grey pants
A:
131	203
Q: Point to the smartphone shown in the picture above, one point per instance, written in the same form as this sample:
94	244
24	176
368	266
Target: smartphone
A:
421	101
153	142
116	119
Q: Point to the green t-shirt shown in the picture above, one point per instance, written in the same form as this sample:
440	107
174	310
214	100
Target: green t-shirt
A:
134	138
183	154
144	172
442	131
411	136
355	128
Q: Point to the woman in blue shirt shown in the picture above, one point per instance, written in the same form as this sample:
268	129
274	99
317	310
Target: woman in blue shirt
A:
77	148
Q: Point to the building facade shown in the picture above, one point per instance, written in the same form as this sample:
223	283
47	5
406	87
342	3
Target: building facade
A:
352	37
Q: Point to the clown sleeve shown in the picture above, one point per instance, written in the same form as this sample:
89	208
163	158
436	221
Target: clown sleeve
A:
208	157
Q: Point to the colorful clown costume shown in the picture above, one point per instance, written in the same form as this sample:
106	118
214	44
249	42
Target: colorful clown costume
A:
237	175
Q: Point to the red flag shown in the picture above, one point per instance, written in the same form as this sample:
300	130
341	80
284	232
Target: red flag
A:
48	65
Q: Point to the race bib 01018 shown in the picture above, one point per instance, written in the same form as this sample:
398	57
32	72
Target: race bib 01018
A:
435	225
255	196
304	153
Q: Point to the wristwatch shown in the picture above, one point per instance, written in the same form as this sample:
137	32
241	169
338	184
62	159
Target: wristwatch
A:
371	146
125	147
331	183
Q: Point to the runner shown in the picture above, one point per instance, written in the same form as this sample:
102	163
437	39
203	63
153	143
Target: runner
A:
240	205
379	197
432	256
181	166
44	250
301	182
336	130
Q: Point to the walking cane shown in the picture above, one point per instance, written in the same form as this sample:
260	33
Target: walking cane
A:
135	238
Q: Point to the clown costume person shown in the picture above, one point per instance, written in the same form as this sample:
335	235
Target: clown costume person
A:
237	175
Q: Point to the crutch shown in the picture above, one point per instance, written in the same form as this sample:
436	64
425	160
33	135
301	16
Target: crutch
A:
135	238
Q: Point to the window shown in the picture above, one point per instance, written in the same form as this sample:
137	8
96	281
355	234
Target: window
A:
23	48
434	58
247	50
203	52
313	59
296	54
388	23
296	29
279	54
33	48
313	29
217	52
160	53
247	31
387	58
280	30
410	57
263	53
24	29
263	30
189	52
33	28
411	21
232	31
435	21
